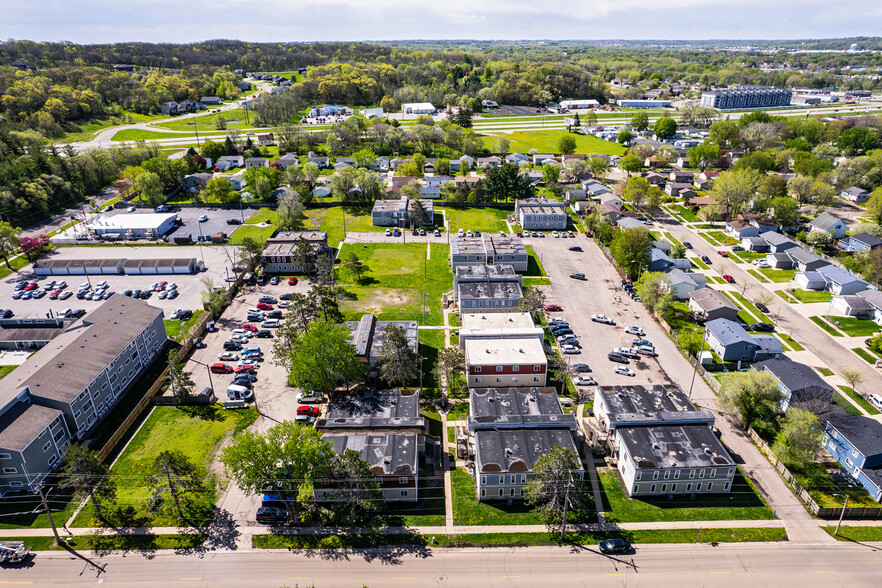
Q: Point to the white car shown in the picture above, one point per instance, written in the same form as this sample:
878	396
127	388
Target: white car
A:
555	234
228	356
239	339
635	331
625	371
203	218
570	349
131	209
249	362
602	318
283	304
584	381
301	399
627	352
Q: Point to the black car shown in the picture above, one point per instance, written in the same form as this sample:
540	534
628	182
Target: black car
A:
738	248
76	313
5	313
135	294
262	280
614	546
269	515
146	294
244	379
687	244
560	332
577	276
762	307
264	334
581	367
185	314
254	317
706	259
557	326
763	327
617	357
285	296
231	346
234	221
576	248
276	314
127	292
199	343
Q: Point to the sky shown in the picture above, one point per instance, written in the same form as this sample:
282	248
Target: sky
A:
104	21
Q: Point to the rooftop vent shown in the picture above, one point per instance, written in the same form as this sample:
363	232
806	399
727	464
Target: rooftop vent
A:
387	460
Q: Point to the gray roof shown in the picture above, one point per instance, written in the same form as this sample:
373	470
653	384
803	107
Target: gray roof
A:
867	239
637	405
368	334
755	240
66	366
856	303
833	273
629	223
388	453
496	408
26	332
474	273
375	409
517	450
709	299
768	343
495	290
22	423
773	238
688	446
856	191
793	375
728	332
803	255
825	221
874	297
864	433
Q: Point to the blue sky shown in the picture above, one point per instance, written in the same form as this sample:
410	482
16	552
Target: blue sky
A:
99	21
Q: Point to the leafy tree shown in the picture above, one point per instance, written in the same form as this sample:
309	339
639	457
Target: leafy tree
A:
419	216
292	212
636	191
598	166
356	497
753	396
734	189
343	181
179	380
852	377
665	127
773	186
784	211
464	117
624	137
149	186
690	340
219	189
631	248
558	369
695	115
356	265
858	139
411	190
678	251
176	475
724	133
213	151
288	456
322	356
591	118
399	364
449	366
567	144
32	246
212	298
630	164
655	290
704	155
550	174
553	483
799	440
504	183
874	206
820	239
89	476
503	145
640	121
532	301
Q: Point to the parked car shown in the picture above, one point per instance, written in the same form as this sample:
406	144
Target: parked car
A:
687	244
641	342
602	318
576	248
613	356
577	276
614	546
763	327
264	306
552	308
271	515
722	253
274	281
308	410
264	334
626	351
301	399
292	281
244	369
635	331
584	381
729	278
706	259
620	369
268	299
228	356
762	307
556	320
581	367
737	248
570	349
221	368
234	221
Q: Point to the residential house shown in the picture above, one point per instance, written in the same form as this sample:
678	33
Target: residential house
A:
245	86
655	179
853	305
280	253
855	441
393	459
732	343
256	162
629	222
829	223
512	428
417	108
709	304
498	325
488	249
321	192
487	288
595	188
832	278
541	214
874	298
169	108
683	282
196	182
612	214
855	194
468	182
368	335
488	162
575	195
799	383
779	243
681	176
674	189
287	160
612	199
397	213
755	244
231	160
518	159
505	362
238	182
803	260
543	158
211	100
700	184
266	139
860	242
740	228
319	161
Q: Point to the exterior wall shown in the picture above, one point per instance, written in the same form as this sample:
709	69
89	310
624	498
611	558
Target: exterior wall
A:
850	458
740	351
663	481
497	376
487	305
497	486
543	221
31	465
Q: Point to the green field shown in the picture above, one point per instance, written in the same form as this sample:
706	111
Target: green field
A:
697	261
686	213
258	233
399	274
824	325
855	327
357	220
87	130
144	135
207	122
195	432
481	219
263	214
762	317
6	370
547	142
723	237
468	511
173	327
810	296
777	275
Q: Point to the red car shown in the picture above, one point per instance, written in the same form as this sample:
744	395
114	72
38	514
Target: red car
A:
722	254
553	308
292	281
729	278
220	368
54	294
31	286
308	410
243	369
248	327
264	306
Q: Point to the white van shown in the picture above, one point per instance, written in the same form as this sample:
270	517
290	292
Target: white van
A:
646	350
236	392
270	323
460	232
876	400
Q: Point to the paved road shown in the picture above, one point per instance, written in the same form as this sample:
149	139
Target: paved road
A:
735	565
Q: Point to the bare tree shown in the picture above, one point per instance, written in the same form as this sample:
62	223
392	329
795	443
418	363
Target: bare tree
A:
853	377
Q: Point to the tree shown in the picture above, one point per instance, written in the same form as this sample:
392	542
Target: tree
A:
34	245
504	183
631	248
773	186
419	216
784	211
179	380
734	189
219	189
343	181
820	239
752	395
655	290
89	476
532	301
694	115
704	155
665	127
449	366
212	297
321	357
150	187
874	205
691	340
558	369
503	145
411	190
567	144
464	117
292	212
678	251
174	474
356	496
288	456
591	118
858	139
553	484
654	199
640	121
630	164
852	377
624	137
636	190
356	265
399	364
249	252
799	440
598	166
550	174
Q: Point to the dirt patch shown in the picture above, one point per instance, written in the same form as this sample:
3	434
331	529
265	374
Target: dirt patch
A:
378	299
316	216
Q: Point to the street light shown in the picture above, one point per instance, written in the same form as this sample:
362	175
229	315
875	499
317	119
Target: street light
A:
842	514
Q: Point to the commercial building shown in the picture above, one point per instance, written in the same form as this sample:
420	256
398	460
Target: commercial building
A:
397	213
512	429
64	390
747	97
417	108
541	214
488	249
644	103
133	226
280	254
505	362
487	288
115	266
133	267
368	335
579	104
498	325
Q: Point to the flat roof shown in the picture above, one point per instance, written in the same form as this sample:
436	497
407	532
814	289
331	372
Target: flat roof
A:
517	450
21	424
497	321
507	244
687	446
83	263
388	453
486	272
150	220
178	262
658	404
508	290
504	351
30	332
68	364
368	334
542	209
294	236
375	409
517	407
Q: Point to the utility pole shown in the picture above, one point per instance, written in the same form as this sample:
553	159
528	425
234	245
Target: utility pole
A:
563	524
842	515
697	361
52	521
196	128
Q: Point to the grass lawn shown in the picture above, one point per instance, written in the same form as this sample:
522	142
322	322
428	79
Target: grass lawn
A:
331	220
778	275
173	328
859	400
709	239
534	266
865	355
468	511
785	296
752	308
686	213
742	503
809	296
824	371
697	261
747	256
680	317
715	280
143	135
195	432
481	219
459	412
723	238
258	233
823	324
824	489
395	283
756	274
845	404
6	370
792	342
859	534
855	327
547	142
86	130
263	214
431	340
235	119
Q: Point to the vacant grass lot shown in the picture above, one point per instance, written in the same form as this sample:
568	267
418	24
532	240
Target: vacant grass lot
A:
534	267
235	119
431	341
855	327
824	489
745	504
144	135
399	274
723	237
195	432
809	296
332	220
258	233
778	275
85	131
547	142
481	219
263	214
468	511
823	324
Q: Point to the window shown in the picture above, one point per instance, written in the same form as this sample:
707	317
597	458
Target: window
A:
402	480
523	478
677	475
698	487
726	486
499	368
483	493
15	484
483	480
701	474
514	380
636	489
655	475
537	368
667	474
638	476
673	487
477	369
46	447
664	488
500	492
10	471
688	487
854	452
404	493
5	456
713	473
58	434
535	379
498	380
652	488
511	492
477	380
511	479
516	368
710	486
691	474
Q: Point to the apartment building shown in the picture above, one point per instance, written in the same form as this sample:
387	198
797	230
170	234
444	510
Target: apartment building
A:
505	362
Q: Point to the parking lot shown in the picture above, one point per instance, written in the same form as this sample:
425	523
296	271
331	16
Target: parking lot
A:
217	262
216	223
600	294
